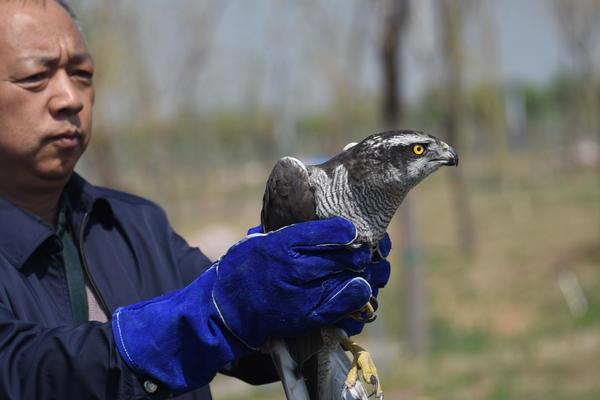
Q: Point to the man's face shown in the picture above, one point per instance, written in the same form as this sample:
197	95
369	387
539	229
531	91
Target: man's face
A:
46	93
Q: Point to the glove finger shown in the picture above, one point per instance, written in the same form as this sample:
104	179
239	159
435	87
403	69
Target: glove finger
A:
332	231
255	229
350	326
384	246
351	296
375	292
378	273
318	262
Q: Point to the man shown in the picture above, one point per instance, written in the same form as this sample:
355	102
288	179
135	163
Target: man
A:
99	297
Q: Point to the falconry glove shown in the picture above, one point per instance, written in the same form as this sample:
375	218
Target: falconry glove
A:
291	281
285	283
376	272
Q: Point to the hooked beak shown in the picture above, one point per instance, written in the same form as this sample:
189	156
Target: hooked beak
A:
448	156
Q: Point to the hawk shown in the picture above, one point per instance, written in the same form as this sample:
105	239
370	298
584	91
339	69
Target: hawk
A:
366	184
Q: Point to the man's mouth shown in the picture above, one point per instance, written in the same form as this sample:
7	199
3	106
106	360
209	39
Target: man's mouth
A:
66	139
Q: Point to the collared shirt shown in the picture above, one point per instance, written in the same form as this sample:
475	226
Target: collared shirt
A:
130	253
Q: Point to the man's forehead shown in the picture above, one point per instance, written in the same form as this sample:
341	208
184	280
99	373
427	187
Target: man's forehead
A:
42	3
48	10
34	28
44	57
16	4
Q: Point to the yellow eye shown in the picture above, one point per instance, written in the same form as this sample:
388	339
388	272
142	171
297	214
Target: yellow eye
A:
418	149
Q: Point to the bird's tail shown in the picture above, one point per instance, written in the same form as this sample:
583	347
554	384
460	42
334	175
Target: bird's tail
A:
289	373
330	387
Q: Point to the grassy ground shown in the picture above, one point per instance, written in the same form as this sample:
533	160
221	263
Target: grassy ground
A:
500	327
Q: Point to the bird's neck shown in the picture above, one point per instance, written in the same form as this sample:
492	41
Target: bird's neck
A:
368	204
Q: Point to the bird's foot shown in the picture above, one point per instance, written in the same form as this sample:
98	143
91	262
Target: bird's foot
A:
367	313
362	364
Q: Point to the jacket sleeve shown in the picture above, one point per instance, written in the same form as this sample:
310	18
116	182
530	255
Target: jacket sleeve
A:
255	369
69	362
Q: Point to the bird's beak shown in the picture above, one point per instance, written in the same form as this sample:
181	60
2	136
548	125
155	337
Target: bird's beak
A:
448	155
453	157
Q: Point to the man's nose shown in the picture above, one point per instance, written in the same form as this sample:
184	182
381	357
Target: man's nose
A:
66	97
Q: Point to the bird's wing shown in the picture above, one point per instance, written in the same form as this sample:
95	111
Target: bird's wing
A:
288	197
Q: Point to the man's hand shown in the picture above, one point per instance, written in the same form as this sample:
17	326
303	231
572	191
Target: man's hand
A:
377	273
285	283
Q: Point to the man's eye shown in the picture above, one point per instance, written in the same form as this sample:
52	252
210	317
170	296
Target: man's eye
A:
84	75
35	78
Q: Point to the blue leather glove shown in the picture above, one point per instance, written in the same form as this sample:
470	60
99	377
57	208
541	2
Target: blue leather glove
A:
377	273
285	283
305	276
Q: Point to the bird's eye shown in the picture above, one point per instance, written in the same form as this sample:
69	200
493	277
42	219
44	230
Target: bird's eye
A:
418	149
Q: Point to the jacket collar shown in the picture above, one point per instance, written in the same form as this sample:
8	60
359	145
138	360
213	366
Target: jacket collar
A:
22	233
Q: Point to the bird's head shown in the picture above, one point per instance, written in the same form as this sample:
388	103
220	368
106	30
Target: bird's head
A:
401	158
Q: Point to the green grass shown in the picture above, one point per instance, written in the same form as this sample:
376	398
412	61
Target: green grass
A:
447	338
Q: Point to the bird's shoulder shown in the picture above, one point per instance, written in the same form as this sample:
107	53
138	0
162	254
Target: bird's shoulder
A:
289	197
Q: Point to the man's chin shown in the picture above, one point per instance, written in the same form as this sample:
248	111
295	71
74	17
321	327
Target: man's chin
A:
57	170
55	176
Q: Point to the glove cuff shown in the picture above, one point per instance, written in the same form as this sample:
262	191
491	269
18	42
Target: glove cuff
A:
179	338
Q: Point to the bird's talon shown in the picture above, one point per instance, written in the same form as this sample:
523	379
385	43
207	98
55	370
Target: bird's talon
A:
362	361
370	319
374	303
367	313
376	390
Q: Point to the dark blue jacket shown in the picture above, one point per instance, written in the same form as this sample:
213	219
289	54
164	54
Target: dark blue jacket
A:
130	253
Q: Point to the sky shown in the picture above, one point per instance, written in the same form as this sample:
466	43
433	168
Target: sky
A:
527	43
268	53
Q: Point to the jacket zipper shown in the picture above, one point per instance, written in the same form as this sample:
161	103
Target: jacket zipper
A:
87	269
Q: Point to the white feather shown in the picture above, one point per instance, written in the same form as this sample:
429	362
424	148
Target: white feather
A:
350	145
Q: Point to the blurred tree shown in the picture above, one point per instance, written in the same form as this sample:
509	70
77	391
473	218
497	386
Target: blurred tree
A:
395	15
579	23
198	23
339	48
494	98
451	15
98	22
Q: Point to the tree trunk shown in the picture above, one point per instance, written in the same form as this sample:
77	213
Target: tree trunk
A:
395	18
453	120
